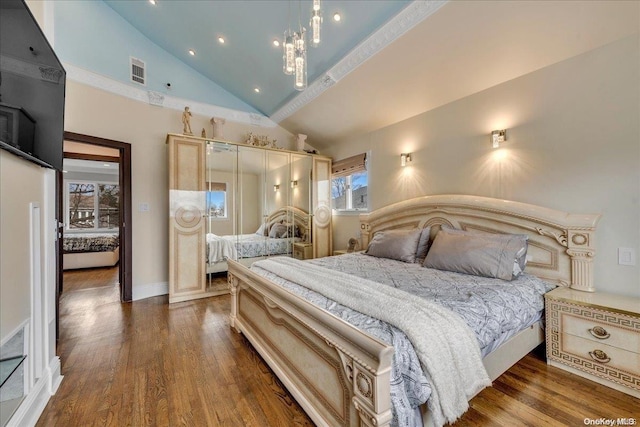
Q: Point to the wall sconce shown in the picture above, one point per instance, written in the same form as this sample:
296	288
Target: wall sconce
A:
498	137
294	184
404	158
276	188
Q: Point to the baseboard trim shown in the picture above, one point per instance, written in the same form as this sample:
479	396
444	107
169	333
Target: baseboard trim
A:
34	403
149	290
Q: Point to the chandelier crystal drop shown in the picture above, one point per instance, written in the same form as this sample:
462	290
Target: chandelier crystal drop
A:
316	20
289	52
300	63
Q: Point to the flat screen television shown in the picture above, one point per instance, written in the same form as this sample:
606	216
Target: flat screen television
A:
32	88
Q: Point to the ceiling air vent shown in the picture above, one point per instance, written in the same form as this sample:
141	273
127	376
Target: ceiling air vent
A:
137	70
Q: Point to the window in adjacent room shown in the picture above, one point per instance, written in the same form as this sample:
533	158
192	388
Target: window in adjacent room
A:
93	206
217	199
350	184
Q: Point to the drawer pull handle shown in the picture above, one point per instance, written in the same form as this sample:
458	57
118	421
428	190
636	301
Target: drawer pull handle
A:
599	332
599	356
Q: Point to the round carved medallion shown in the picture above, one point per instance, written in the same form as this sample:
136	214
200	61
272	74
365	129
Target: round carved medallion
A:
364	385
188	216
322	216
579	239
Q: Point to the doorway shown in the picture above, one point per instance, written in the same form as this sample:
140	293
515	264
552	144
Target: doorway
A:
101	219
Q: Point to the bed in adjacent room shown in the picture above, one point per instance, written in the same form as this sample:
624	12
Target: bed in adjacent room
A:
275	236
379	339
90	250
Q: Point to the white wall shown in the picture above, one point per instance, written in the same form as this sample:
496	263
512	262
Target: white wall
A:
573	145
98	113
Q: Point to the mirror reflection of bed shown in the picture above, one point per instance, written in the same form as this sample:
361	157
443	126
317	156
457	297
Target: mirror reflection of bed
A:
91	236
257	206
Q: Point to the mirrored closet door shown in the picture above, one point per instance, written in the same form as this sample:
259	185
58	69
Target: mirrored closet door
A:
240	202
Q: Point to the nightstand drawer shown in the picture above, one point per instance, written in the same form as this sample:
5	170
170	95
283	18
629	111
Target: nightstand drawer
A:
302	250
600	332
599	357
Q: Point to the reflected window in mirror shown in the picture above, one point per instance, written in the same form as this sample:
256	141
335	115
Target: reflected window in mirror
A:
217	199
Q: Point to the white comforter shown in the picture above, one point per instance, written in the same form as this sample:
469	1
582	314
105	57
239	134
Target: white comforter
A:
223	249
454	366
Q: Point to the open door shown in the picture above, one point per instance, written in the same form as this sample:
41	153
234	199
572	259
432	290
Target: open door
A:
125	225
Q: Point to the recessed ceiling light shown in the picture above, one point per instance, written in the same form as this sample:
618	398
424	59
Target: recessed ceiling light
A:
152	1
106	165
276	42
256	89
337	17
192	52
221	40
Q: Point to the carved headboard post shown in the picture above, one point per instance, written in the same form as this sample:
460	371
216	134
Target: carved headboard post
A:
365	229
580	247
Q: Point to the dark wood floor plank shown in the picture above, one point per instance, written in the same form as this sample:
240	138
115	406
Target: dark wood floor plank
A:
149	363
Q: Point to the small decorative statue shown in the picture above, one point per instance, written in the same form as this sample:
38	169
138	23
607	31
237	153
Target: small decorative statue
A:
186	122
218	127
203	133
300	141
260	141
354	244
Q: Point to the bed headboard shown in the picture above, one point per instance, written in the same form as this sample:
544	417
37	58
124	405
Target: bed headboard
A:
561	245
290	214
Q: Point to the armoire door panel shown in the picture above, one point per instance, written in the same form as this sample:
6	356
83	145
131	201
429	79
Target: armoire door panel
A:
322	234
188	269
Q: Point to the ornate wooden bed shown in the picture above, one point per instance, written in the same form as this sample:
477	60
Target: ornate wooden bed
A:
287	214
339	374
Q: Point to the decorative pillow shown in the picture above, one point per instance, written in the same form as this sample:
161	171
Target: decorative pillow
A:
520	261
263	230
278	231
293	229
480	254
395	244
423	244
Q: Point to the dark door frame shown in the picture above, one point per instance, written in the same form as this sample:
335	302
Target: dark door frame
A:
126	230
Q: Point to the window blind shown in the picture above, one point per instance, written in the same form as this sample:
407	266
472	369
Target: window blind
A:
217	186
349	166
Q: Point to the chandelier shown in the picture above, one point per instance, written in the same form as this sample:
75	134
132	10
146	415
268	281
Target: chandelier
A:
294	57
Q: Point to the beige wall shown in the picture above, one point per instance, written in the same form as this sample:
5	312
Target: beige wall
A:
15	267
98	113
573	145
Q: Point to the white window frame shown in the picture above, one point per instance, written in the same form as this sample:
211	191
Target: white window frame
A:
349	209
96	206
226	206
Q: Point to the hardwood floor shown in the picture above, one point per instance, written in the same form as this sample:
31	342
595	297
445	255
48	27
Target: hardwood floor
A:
150	364
88	278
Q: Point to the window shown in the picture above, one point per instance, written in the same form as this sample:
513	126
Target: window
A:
93	206
217	199
349	184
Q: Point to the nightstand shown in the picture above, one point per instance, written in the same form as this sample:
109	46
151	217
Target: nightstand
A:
595	335
302	250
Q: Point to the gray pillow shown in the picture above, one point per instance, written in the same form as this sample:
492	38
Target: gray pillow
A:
400	245
278	231
480	254
520	261
423	244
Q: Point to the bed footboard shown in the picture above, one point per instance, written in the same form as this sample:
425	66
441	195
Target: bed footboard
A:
339	375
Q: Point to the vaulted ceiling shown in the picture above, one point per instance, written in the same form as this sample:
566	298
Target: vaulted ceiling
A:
384	62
